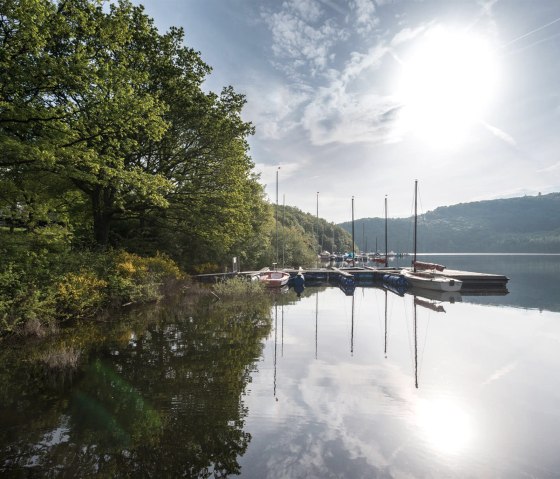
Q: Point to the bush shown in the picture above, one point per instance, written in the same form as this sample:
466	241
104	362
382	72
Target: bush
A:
238	286
39	286
80	294
139	279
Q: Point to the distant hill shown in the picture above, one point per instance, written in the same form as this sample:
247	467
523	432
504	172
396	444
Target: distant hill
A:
529	224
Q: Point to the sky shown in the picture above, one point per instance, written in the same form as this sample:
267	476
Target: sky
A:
359	98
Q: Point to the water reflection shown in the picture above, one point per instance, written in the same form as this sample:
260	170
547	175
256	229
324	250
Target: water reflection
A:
378	383
416	391
161	400
445	424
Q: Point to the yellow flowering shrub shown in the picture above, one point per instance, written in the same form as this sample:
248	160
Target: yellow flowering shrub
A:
80	294
138	279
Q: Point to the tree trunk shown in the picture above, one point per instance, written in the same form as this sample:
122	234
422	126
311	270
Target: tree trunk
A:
102	215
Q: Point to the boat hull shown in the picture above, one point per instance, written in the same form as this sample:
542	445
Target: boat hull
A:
432	281
274	279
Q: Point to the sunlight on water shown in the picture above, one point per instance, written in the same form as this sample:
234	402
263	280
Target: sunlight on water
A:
445	424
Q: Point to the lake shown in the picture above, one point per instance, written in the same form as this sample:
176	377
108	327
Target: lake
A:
326	385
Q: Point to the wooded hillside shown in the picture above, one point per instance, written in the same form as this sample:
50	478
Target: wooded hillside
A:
528	224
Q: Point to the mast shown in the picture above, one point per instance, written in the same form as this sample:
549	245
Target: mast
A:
283	223
275	342
415	222
386	253
364	249
318	236
353	249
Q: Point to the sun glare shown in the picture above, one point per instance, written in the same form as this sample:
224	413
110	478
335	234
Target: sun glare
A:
447	81
445	426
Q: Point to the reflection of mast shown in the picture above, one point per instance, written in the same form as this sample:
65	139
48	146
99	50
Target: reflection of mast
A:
385	323
282	350
352	329
275	341
316	319
415	348
353	248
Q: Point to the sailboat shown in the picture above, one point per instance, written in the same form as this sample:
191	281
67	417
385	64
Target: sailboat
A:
427	278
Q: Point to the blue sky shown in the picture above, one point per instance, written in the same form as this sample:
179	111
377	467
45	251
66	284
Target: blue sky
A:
361	97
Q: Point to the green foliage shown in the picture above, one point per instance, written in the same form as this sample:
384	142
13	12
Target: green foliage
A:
41	285
138	279
301	237
238	286
80	294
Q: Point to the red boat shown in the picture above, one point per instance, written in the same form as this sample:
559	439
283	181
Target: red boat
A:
424	265
274	279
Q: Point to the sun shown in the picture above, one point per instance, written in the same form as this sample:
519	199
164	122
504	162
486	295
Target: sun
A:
447	81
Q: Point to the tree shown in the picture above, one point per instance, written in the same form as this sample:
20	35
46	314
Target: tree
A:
73	100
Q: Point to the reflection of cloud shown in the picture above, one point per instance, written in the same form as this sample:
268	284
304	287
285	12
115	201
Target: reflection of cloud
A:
331	425
500	372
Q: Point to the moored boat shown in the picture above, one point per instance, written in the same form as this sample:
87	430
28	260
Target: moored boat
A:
425	275
430	280
274	279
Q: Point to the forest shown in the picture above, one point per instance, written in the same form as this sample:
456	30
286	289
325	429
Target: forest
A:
527	224
119	173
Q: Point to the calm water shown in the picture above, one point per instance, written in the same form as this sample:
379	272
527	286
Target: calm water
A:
326	385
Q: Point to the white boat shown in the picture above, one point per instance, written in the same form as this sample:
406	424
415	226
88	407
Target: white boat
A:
274	279
428	277
432	281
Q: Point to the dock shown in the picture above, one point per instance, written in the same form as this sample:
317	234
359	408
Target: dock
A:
349	277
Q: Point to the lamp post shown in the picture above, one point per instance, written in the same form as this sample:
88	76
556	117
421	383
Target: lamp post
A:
277	215
353	249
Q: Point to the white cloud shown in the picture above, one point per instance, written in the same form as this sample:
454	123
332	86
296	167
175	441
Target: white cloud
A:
301	38
554	167
346	108
366	19
336	115
308	9
286	171
502	135
345	113
407	34
272	107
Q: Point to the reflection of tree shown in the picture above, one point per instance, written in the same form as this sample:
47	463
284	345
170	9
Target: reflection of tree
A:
166	404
